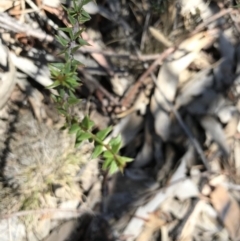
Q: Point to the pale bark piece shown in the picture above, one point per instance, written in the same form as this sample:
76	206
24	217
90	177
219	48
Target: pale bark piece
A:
8	77
91	8
6	4
39	74
199	7
52	3
213	127
42	229
67	205
9	23
226	113
63	232
231	127
228	211
89	175
12	228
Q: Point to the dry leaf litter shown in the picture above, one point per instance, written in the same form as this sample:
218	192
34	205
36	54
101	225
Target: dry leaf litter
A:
165	74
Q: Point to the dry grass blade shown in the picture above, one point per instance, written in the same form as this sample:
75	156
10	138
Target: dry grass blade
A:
160	37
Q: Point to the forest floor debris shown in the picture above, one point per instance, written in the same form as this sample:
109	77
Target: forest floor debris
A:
165	75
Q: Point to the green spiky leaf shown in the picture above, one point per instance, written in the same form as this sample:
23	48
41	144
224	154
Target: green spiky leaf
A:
107	163
124	159
97	151
107	154
74	128
73	101
84	136
62	41
55	84
87	123
115	143
113	167
103	133
83	42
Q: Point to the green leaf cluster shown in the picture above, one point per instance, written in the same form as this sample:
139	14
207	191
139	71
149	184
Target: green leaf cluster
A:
109	151
65	81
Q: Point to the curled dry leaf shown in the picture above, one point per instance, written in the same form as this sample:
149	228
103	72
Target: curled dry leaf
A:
195	87
168	78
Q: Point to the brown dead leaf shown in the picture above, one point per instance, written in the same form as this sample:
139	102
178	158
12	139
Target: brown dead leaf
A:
153	224
228	210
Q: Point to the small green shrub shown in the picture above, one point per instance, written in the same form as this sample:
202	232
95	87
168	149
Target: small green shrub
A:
66	81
